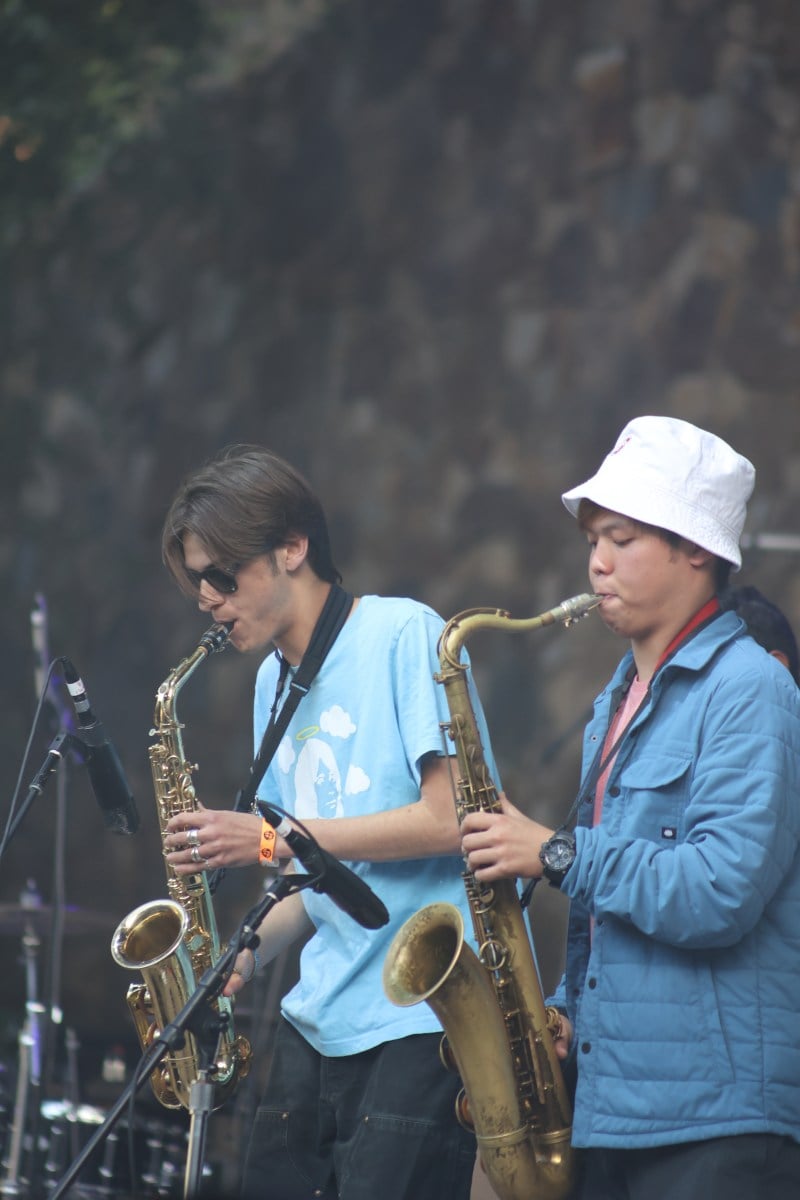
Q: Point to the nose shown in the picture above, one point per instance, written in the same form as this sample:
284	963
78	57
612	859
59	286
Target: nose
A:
207	597
598	560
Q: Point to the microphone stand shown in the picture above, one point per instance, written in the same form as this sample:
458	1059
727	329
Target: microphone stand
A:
63	742
195	1018
36	1036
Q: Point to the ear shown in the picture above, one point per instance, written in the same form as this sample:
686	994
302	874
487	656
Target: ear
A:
697	556
295	551
781	657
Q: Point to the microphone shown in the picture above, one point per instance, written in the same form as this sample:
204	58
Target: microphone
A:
102	762
347	891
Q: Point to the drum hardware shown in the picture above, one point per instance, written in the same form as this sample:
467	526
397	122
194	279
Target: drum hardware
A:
149	1164
20	919
33	920
14	1184
29	1066
64	1120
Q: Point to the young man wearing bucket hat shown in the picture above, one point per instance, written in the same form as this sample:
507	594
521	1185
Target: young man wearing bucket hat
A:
680	856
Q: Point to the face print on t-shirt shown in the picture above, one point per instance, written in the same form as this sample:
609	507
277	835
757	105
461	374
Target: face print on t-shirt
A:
317	757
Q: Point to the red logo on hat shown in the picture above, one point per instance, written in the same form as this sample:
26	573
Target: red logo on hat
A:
623	444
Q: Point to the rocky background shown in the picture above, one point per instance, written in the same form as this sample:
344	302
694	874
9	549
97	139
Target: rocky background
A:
436	254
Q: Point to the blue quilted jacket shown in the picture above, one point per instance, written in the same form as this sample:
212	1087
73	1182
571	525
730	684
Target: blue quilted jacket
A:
685	999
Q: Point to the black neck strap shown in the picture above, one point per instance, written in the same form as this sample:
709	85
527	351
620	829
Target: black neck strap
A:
330	621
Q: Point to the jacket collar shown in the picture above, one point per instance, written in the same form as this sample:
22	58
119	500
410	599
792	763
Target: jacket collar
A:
693	655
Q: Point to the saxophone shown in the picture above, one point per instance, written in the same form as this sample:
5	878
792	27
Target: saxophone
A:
498	1033
172	942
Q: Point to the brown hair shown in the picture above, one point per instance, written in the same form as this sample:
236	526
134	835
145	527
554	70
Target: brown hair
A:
244	502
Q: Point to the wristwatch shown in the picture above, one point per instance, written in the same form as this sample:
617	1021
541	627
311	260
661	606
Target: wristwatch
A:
557	856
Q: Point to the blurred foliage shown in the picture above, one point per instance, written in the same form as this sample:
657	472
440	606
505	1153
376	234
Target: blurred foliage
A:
79	78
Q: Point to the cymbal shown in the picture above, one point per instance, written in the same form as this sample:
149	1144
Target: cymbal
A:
19	919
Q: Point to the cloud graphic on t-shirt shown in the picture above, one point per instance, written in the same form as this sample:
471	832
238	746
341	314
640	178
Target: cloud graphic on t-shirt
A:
337	722
357	781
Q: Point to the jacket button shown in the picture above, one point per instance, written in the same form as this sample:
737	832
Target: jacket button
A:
613	791
586	1047
593	982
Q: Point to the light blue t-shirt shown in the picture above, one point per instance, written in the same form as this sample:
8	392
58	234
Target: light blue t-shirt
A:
354	746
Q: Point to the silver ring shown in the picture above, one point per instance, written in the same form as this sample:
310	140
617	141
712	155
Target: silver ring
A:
192	837
197	856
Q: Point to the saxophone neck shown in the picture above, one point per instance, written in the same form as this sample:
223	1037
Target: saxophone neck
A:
213	640
464	624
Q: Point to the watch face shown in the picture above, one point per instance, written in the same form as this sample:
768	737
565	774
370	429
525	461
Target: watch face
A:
557	856
559	853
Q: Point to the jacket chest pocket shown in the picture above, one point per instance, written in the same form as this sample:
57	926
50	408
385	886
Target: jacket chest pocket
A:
652	792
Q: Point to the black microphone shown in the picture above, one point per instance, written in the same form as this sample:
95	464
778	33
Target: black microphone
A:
346	890
102	761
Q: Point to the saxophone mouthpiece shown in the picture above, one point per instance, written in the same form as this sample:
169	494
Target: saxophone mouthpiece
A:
216	637
579	606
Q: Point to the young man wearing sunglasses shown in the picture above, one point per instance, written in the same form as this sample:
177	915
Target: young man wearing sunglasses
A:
357	1104
680	996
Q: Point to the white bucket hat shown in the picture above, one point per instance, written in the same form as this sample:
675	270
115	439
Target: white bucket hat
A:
670	474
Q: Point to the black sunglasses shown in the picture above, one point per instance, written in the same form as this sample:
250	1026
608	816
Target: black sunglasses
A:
221	581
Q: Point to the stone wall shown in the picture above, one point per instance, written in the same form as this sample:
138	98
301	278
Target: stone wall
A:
436	254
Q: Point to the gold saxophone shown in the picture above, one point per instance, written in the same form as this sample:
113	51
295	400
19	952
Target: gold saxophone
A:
172	942
498	1033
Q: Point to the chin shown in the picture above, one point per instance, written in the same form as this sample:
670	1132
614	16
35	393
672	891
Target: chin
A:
615	623
235	640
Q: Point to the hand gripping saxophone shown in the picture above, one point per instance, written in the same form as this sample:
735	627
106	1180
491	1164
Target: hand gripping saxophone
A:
498	1033
172	942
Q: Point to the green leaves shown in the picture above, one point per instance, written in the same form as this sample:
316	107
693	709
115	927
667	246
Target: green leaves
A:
78	79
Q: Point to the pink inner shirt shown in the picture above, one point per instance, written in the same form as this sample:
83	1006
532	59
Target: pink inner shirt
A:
622	719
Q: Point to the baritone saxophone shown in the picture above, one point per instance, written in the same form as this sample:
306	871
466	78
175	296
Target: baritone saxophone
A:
172	942
498	1032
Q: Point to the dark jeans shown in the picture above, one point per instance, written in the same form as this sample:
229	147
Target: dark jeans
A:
379	1125
747	1167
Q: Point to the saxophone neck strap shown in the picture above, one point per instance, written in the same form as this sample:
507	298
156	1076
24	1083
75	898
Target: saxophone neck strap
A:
330	621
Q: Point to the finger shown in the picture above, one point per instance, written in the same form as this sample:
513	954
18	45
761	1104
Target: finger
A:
476	822
193	818
198	857
505	804
233	985
180	839
486	874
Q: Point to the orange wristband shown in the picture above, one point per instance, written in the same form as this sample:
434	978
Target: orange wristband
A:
266	851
